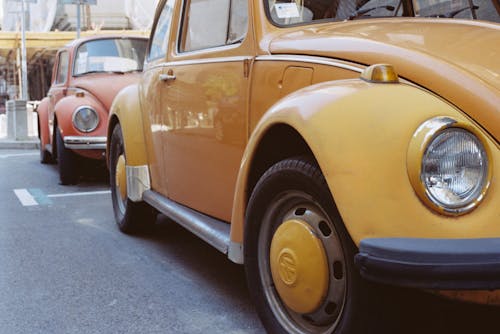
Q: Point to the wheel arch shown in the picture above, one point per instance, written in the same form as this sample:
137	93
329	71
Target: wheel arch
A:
286	130
279	142
126	111
43	121
359	133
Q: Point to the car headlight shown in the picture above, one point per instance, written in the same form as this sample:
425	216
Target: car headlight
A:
85	119
452	166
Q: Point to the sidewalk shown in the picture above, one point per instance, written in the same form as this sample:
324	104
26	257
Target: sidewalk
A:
31	142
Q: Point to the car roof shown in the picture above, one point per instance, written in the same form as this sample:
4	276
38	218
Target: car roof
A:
77	42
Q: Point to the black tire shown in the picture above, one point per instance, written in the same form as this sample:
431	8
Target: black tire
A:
295	189
67	161
45	156
131	217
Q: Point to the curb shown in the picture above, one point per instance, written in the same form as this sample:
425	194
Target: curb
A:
19	144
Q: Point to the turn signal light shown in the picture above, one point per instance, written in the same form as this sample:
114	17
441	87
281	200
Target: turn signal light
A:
380	73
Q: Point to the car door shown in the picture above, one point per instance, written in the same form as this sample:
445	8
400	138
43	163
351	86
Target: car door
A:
151	90
206	90
59	84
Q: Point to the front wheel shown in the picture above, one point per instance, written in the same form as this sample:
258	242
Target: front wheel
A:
298	255
67	162
131	217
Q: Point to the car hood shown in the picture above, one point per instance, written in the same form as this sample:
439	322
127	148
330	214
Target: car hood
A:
458	60
105	86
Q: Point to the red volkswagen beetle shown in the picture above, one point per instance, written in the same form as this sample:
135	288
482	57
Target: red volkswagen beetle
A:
87	75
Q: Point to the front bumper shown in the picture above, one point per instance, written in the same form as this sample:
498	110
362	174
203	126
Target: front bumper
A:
85	143
442	264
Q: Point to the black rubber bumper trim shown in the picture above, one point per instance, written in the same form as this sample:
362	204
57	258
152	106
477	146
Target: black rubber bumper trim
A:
444	264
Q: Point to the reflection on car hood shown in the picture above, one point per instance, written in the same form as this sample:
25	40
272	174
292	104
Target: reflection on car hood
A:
105	86
456	59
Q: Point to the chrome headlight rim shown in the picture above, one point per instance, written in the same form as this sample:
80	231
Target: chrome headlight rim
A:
423	137
90	129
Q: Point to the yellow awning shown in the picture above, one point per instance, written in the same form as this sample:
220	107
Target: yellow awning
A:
49	42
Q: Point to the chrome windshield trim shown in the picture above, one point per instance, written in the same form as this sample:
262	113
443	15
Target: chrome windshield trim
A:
85	143
311	59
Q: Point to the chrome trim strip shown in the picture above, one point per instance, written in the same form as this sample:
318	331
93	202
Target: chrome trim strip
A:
214	60
213	231
235	252
207	61
85	143
301	59
311	59
138	182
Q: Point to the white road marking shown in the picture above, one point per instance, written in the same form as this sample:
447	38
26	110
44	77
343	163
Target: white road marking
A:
25	197
33	197
89	193
3	156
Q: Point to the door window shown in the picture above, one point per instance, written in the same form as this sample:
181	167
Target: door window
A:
213	23
62	68
159	39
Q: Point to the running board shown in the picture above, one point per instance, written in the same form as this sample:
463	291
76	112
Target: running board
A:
214	232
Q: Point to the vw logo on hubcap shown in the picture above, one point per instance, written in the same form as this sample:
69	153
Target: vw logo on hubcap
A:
288	266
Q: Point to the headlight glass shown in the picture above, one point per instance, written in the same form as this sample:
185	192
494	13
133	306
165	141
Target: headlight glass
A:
85	119
455	169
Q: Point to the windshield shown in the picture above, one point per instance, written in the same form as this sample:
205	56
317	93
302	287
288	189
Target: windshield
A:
110	55
291	12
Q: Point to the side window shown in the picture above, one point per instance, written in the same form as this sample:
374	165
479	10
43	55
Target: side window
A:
159	39
238	20
212	23
62	68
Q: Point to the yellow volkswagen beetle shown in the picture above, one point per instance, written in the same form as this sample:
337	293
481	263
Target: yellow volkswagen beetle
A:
323	144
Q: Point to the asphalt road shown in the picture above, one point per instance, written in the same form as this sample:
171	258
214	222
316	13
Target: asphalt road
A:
65	268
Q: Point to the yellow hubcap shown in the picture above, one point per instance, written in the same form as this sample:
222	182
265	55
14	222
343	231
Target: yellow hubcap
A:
121	177
299	266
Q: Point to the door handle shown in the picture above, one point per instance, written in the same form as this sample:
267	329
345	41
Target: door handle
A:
167	77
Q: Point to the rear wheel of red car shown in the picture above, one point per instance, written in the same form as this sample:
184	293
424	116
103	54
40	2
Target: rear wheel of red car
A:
45	156
67	161
299	257
131	217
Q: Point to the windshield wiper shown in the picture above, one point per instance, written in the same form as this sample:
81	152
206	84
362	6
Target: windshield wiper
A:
361	12
131	71
102	71
88	72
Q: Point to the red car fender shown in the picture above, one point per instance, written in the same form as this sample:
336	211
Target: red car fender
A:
64	114
43	122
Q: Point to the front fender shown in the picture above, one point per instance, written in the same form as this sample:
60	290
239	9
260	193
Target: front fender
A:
65	107
359	133
126	110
